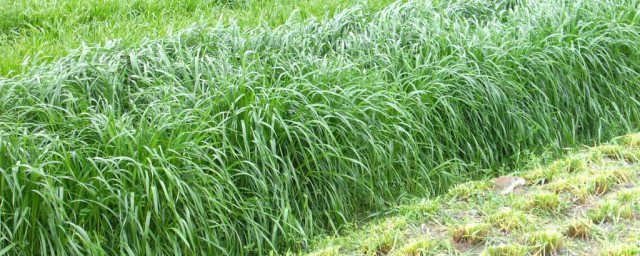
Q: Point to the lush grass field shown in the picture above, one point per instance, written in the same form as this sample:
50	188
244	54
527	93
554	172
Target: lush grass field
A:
44	30
224	140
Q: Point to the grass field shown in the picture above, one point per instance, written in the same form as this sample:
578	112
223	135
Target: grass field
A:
44	30
587	203
240	139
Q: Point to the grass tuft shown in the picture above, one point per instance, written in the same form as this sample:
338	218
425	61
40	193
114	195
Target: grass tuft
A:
385	237
569	165
422	211
418	248
546	242
611	211
329	251
470	190
543	175
610	151
579	228
472	233
507	220
505	250
627	196
544	202
631	140
601	184
621	250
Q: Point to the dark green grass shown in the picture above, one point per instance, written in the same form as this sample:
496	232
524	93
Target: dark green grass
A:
228	141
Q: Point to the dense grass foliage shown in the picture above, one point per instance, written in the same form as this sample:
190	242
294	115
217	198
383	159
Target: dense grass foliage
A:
225	141
44	30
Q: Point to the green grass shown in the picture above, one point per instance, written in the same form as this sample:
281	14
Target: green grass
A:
36	31
227	140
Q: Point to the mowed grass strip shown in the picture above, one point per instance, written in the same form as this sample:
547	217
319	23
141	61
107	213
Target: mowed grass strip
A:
230	141
37	31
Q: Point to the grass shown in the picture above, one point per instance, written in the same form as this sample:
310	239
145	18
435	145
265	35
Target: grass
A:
611	211
546	242
544	201
37	31
622	250
473	233
505	250
232	141
420	247
579	228
508	220
609	224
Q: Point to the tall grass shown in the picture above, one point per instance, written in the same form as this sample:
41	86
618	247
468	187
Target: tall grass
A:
45	30
225	141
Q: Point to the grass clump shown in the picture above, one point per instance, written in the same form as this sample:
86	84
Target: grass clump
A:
611	211
385	237
505	250
542	175
579	228
621	250
329	251
569	165
627	196
610	151
544	202
631	140
472	233
423	210
231	141
580	194
470	190
507	219
601	184
622	175
631	156
418	247
563	185
546	242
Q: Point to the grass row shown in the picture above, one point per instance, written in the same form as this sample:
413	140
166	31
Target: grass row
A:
36	31
587	203
231	141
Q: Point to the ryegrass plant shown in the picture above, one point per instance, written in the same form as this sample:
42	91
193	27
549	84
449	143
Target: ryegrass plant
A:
230	141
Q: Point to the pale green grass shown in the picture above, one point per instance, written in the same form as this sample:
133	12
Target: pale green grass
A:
34	31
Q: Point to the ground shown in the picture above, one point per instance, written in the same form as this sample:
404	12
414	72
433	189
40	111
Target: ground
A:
584	204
